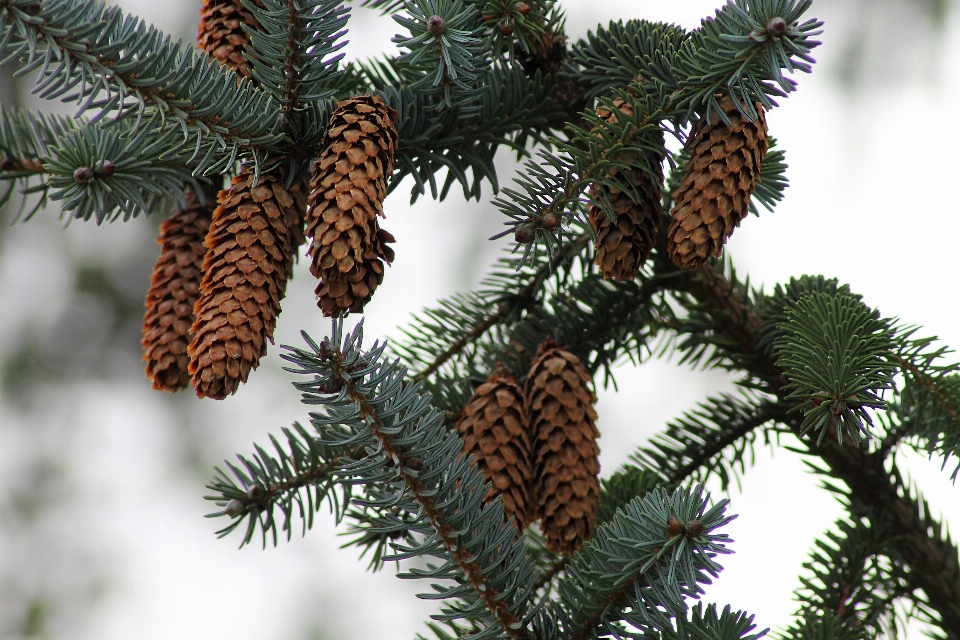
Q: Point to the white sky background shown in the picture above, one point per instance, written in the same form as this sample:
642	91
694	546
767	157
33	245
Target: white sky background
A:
871	202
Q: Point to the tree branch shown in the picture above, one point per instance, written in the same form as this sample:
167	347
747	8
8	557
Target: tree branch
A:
932	560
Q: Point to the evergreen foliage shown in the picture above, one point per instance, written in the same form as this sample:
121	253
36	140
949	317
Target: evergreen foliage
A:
816	366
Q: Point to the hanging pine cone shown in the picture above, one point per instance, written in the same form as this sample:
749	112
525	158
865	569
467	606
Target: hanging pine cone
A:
715	192
566	454
346	195
174	289
222	36
622	246
495	430
249	258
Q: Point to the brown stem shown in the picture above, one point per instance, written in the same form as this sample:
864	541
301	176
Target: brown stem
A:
552	572
22	165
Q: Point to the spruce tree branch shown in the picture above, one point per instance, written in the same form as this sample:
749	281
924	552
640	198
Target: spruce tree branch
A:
932	560
730	434
519	301
500	609
81	43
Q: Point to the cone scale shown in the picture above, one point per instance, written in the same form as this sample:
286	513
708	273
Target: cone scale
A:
174	289
714	195
349	183
249	259
623	245
495	431
566	453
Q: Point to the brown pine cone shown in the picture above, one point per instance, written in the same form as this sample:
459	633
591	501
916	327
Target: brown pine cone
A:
714	195
622	246
495	430
249	258
346	195
222	36
174	289
566	454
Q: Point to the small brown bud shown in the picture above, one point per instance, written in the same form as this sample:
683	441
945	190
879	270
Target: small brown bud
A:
550	221
523	234
776	26
522	8
414	464
106	169
234	508
694	528
254	492
674	528
506	27
436	25
83	175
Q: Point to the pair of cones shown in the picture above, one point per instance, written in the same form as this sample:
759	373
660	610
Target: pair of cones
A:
712	200
224	262
537	446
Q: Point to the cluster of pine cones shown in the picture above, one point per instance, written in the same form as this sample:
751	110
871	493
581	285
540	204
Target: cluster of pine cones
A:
226	257
537	446
711	201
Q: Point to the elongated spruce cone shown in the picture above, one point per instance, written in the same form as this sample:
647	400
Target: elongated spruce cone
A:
495	430
714	195
566	453
349	184
174	289
623	246
222	36
249	258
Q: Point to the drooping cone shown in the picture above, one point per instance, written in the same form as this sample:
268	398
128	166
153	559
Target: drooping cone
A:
347	190
249	258
715	192
174	289
495	430
622	246
566	454
222	36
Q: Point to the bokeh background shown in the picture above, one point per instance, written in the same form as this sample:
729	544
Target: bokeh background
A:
102	534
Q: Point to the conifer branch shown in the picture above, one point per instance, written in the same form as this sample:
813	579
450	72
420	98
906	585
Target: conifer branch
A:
414	478
25	140
301	473
693	445
854	578
508	307
932	559
290	51
77	44
636	571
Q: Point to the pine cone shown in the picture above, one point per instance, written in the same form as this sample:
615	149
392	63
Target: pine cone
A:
174	289
495	430
222	36
346	195
249	258
623	246
566	454
715	192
